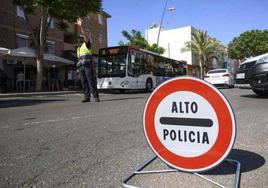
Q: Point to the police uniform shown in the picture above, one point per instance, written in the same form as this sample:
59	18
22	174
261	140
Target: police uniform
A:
86	70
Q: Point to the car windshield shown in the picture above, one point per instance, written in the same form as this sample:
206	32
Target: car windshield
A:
247	64
217	71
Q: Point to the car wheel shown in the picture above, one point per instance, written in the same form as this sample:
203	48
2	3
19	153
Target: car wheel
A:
261	92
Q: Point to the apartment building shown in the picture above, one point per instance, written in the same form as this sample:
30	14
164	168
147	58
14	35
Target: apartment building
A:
173	40
14	33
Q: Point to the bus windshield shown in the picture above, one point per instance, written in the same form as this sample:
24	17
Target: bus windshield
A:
112	66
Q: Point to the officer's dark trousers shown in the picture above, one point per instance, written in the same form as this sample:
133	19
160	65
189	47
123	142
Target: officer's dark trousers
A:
88	79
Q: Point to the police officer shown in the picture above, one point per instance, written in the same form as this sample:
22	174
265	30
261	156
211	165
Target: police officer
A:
85	65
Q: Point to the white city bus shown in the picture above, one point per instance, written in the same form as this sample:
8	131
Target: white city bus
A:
127	67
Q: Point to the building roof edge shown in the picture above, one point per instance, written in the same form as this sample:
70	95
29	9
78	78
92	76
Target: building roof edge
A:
105	14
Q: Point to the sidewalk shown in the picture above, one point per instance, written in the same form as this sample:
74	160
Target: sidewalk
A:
28	94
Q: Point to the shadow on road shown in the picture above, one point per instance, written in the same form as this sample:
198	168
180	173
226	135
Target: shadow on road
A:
122	92
249	161
25	102
254	96
124	98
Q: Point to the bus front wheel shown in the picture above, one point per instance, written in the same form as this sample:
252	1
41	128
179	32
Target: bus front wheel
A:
149	85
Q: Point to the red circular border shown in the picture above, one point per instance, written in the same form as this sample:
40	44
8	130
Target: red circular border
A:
225	133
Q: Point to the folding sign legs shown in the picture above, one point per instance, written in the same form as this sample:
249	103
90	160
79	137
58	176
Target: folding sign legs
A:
139	171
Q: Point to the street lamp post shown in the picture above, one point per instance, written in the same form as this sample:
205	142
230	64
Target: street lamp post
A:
170	9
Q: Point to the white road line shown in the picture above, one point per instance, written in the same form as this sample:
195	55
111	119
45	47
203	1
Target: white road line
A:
57	120
46	121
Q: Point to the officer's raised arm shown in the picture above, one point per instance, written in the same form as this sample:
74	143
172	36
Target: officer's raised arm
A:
85	36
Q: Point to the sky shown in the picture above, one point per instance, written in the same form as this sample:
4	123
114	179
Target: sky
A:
223	19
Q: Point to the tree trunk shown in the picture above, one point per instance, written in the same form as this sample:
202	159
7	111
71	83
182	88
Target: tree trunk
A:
39	73
201	69
40	48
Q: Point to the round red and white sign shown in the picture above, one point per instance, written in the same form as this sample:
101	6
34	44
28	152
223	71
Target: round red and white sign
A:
189	124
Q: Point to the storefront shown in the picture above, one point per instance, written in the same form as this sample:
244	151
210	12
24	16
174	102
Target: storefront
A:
19	66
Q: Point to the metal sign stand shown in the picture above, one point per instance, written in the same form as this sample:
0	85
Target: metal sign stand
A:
139	170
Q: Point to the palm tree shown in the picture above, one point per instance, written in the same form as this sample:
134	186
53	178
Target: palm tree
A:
205	47
135	38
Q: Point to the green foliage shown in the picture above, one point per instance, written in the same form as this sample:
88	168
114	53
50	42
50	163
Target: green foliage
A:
155	48
135	39
204	47
249	43
62	9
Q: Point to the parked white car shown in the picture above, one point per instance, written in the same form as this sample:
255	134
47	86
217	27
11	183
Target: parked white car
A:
220	77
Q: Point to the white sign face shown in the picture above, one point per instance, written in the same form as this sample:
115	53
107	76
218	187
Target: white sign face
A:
186	124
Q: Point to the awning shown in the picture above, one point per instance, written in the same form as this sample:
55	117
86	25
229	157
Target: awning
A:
29	53
54	58
4	51
22	52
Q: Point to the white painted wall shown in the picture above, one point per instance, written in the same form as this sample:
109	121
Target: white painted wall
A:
172	41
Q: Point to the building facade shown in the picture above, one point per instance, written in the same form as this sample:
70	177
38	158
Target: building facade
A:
173	41
15	33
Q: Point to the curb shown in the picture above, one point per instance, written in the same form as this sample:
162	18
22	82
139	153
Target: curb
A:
8	95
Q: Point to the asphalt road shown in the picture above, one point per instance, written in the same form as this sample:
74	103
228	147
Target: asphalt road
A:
56	141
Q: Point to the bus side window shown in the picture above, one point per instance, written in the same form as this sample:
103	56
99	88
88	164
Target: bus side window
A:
144	65
134	64
149	64
156	66
130	67
137	65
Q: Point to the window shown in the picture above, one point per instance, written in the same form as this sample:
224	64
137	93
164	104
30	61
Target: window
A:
100	39
20	12
51	24
100	19
22	40
135	64
112	66
50	47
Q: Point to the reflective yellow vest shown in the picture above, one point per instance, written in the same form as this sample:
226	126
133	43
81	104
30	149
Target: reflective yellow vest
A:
84	55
